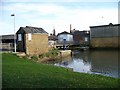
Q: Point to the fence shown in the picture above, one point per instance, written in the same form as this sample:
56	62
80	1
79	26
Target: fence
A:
6	47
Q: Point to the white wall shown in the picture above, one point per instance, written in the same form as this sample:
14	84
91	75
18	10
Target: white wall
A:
68	37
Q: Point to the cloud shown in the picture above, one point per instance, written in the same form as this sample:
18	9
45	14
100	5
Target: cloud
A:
61	1
80	19
43	9
6	28
47	15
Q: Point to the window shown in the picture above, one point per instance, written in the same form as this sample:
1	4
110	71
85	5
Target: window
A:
19	37
86	39
29	36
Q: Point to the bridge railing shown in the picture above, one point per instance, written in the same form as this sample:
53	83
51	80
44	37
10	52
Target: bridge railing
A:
67	42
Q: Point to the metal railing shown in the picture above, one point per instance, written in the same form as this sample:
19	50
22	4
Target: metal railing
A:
67	42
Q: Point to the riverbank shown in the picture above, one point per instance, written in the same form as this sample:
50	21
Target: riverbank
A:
53	55
24	73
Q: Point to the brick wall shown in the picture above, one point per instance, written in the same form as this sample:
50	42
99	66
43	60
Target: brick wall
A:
106	42
37	45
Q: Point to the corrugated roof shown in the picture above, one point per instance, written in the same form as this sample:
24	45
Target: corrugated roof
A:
7	36
110	24
30	29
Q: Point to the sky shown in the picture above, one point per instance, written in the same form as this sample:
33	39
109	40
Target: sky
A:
50	14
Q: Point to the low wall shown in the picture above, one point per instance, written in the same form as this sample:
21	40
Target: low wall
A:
65	53
6	46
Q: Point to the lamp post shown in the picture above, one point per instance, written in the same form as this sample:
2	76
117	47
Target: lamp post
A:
14	33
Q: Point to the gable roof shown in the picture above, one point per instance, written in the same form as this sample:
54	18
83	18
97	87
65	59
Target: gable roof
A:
64	33
30	29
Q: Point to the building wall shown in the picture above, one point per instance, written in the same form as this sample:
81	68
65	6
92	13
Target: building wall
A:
108	31
37	45
81	37
105	36
108	42
67	37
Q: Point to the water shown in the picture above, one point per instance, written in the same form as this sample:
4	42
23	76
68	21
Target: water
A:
95	62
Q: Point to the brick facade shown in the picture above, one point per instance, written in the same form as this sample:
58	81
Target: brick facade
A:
37	45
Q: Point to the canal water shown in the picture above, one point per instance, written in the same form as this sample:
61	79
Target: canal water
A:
94	62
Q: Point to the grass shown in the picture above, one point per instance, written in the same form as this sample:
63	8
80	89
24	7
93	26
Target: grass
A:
23	73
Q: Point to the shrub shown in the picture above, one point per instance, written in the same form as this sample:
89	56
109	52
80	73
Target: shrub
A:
51	54
41	56
34	57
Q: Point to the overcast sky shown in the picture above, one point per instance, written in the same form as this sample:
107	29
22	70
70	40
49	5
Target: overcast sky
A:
59	14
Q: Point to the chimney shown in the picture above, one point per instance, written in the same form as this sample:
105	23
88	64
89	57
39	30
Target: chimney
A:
70	28
110	24
54	31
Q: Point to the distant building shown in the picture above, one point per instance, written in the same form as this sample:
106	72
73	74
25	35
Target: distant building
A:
52	40
7	38
7	42
65	37
105	36
32	40
81	37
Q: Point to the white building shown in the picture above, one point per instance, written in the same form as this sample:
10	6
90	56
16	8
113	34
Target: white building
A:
65	37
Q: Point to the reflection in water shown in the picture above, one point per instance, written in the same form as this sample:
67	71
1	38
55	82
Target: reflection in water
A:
97	62
105	62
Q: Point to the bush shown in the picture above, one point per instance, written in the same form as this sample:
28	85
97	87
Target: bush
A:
41	56
51	54
34	57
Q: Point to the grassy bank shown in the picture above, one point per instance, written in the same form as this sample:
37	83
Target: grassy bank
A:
23	73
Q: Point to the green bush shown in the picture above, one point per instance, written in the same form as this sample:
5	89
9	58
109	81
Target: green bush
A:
34	57
41	55
51	54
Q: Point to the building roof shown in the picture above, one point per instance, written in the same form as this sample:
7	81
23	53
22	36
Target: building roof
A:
81	33
64	33
30	29
7	36
110	24
54	38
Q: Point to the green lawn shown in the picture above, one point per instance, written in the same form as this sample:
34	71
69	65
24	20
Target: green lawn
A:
22	73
